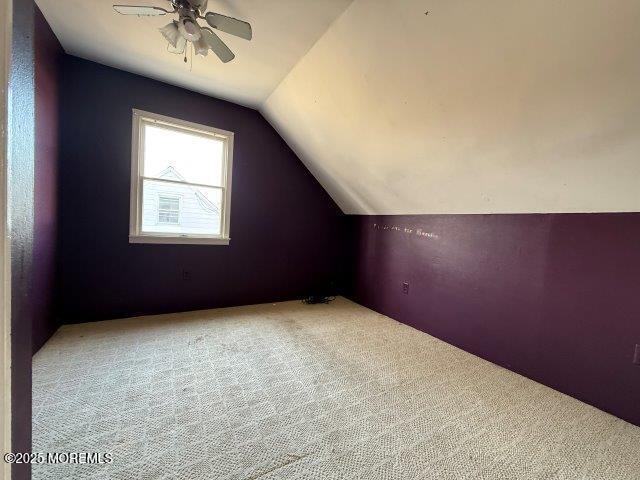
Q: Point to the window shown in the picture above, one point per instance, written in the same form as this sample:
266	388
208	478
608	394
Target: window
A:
180	181
169	209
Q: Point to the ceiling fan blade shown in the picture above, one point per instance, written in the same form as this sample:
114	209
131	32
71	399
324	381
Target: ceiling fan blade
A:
217	46
140	10
229	25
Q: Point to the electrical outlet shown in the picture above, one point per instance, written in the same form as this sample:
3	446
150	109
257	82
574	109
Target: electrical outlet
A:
636	356
405	288
186	275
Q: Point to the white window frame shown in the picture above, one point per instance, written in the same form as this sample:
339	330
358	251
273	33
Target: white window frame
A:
137	164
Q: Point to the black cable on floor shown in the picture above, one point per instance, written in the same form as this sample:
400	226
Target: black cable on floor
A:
315	299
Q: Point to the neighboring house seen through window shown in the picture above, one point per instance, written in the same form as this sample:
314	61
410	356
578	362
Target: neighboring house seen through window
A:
180	181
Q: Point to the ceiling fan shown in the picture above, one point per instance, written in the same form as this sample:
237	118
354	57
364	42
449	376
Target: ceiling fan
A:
186	28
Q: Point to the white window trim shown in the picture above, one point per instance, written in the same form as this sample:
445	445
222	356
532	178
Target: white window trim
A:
135	212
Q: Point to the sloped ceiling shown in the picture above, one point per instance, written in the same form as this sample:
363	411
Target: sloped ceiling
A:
419	106
283	31
473	107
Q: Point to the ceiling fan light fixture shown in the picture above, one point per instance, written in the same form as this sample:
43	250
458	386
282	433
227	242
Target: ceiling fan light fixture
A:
201	48
189	29
179	48
186	28
171	33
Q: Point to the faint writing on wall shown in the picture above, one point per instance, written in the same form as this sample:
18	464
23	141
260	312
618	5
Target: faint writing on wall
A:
419	232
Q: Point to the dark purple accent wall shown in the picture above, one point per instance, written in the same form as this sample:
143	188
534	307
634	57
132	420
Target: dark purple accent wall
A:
48	54
20	194
283	223
553	297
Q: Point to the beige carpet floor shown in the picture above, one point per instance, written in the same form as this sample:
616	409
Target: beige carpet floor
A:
289	391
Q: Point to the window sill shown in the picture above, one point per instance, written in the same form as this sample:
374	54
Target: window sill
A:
161	239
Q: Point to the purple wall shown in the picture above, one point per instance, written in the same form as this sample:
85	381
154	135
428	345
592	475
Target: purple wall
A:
48	53
553	297
283	224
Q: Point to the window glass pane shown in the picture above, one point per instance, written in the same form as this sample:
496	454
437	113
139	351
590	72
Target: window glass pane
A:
180	155
181	209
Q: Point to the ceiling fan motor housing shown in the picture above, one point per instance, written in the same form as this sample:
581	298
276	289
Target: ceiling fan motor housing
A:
188	26
180	5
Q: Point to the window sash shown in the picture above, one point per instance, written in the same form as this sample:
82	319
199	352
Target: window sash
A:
136	235
180	129
223	211
181	182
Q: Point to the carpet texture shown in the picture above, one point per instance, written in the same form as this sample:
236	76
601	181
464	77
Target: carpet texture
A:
290	391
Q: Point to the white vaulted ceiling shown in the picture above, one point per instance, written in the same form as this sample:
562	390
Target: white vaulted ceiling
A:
283	31
420	106
491	106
